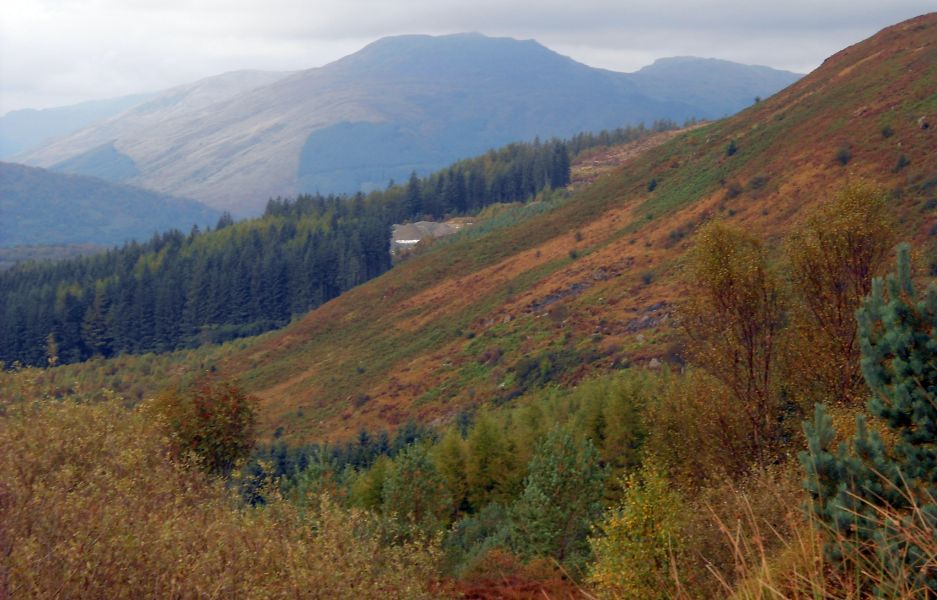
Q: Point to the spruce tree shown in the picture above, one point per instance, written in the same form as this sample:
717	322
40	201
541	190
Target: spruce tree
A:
874	496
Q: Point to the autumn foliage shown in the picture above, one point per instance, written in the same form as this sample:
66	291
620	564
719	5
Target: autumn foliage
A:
734	322
211	419
833	257
92	505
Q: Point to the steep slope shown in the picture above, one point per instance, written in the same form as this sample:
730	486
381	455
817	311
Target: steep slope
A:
41	207
591	283
27	129
400	104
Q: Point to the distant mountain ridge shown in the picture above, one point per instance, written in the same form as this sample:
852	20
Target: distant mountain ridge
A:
27	129
400	104
41	207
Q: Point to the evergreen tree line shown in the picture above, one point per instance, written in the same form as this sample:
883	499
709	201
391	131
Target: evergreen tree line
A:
182	290
622	135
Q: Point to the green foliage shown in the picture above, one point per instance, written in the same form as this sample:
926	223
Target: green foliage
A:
449	456
609	412
853	487
367	490
491	465
212	419
561	499
473	536
244	278
414	493
636	539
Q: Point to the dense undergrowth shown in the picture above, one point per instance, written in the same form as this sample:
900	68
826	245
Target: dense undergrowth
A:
632	484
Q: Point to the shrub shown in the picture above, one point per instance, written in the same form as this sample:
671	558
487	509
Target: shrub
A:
733	190
211	419
844	154
561	499
93	506
758	182
635	540
471	538
694	427
415	494
902	162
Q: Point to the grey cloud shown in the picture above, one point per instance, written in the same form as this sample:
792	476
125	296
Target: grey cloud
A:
59	51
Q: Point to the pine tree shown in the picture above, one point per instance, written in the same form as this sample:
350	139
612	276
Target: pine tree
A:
94	327
872	494
561	499
560	172
415	493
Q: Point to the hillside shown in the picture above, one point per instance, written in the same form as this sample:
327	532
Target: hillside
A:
177	290
41	207
512	411
27	129
137	116
589	284
400	104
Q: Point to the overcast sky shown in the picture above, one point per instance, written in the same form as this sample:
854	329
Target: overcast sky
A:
57	52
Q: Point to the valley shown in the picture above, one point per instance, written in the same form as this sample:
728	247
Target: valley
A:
622	372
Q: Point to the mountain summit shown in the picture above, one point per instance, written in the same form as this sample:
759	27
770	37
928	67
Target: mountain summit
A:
400	104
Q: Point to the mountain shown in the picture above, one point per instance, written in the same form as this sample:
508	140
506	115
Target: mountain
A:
398	105
552	291
718	88
99	158
590	284
27	129
41	207
448	399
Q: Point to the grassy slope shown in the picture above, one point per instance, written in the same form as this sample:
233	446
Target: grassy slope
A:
400	346
448	329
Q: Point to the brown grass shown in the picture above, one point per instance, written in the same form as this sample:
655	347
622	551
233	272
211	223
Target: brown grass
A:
789	561
92	506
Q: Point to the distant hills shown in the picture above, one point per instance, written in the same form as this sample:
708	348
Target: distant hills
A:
41	207
27	129
398	105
